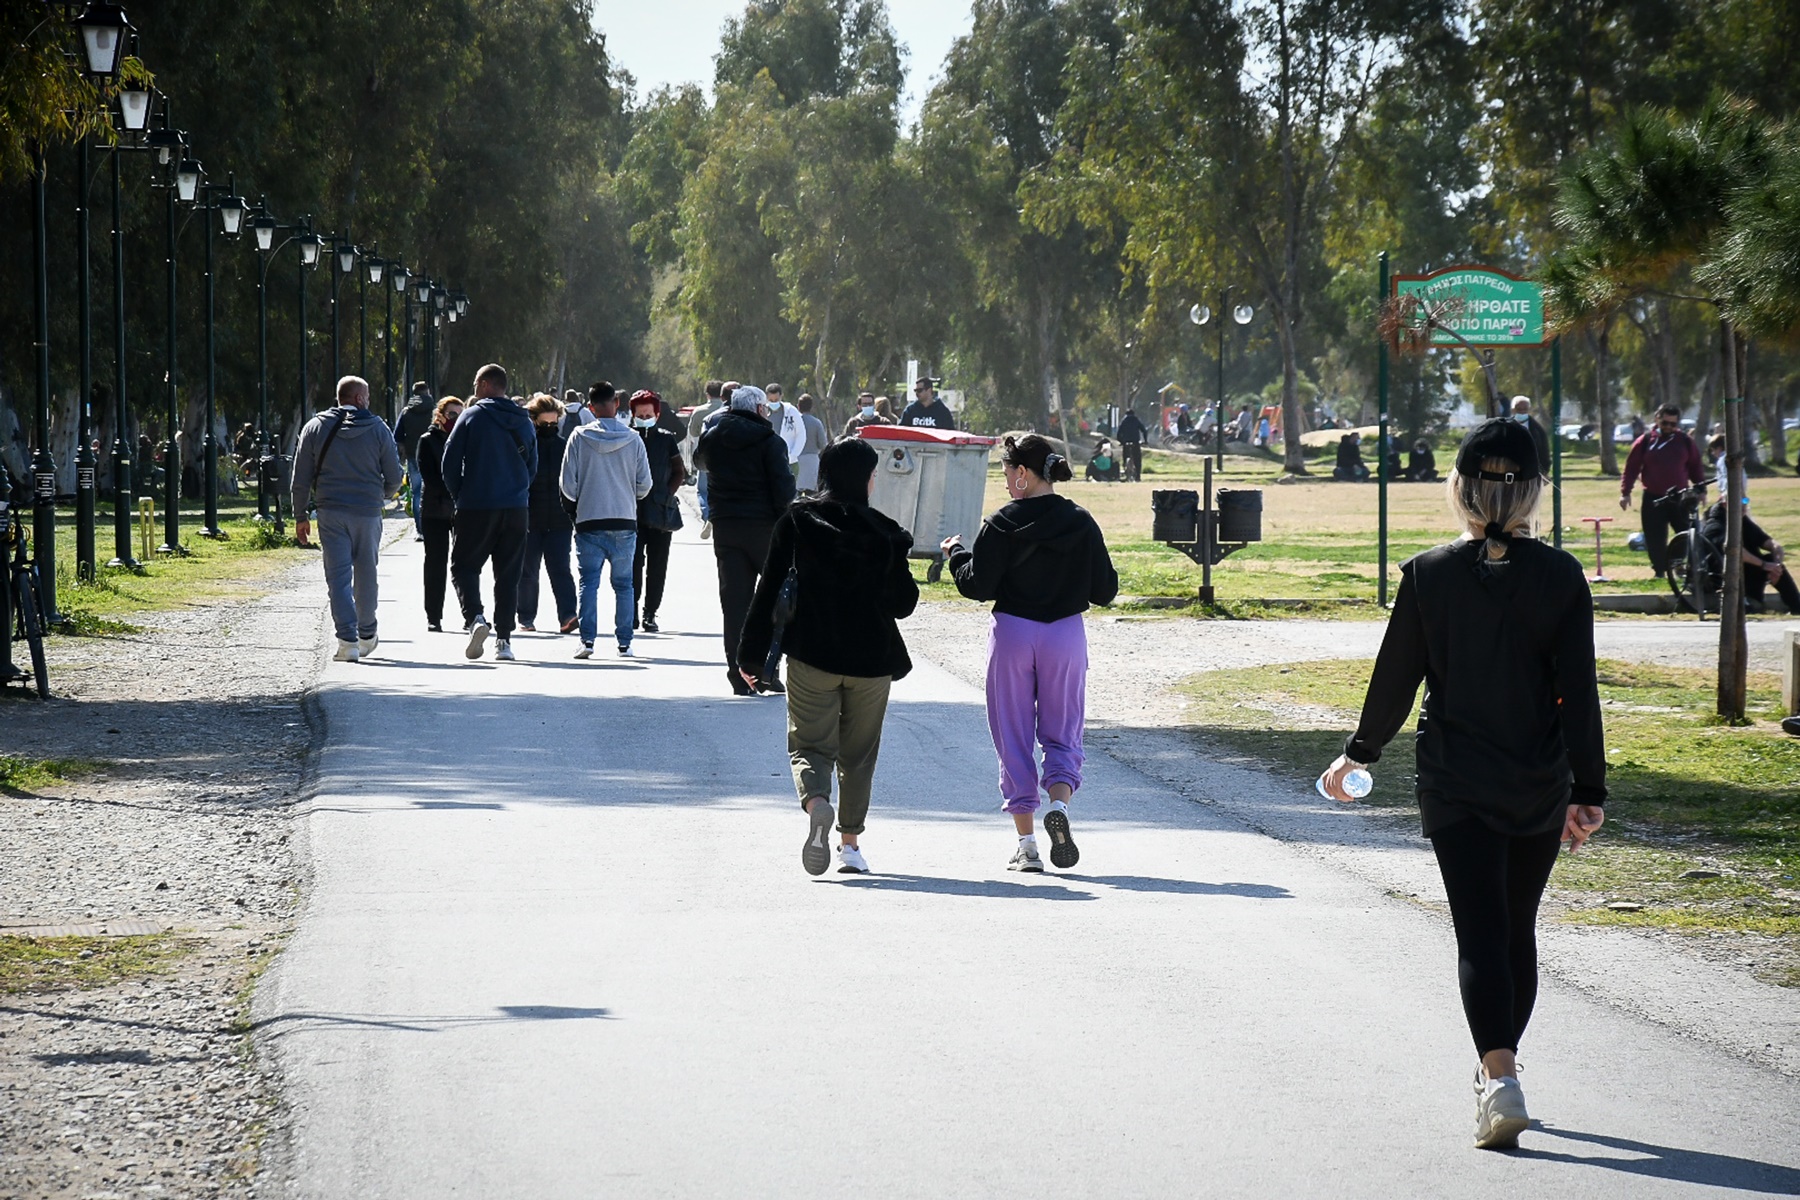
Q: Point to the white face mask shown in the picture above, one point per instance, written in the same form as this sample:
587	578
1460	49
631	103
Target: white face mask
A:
1521	417
643	422
868	410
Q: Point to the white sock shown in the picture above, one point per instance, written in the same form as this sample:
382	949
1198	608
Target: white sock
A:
1029	839
1061	806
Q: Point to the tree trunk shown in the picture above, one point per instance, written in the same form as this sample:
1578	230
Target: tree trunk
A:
1732	664
1601	340
1293	457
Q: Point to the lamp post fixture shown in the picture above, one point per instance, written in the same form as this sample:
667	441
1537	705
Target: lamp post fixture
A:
362	318
398	276
265	227
182	185
1200	314
421	291
377	268
230	207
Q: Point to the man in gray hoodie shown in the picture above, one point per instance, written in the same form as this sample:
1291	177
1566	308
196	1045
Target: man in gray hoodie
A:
605	472
346	466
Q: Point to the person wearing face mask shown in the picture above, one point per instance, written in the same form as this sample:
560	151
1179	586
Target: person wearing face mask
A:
1042	560
1668	461
437	508
549	530
865	414
659	513
1521	412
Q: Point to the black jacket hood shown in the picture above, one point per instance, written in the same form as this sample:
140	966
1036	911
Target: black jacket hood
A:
1051	521
738	429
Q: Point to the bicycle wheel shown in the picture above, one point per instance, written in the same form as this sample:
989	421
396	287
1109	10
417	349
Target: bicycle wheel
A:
32	625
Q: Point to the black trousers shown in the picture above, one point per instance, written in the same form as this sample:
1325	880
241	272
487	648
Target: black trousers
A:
653	551
740	548
1660	520
481	534
1131	459
547	553
437	565
1756	583
1494	883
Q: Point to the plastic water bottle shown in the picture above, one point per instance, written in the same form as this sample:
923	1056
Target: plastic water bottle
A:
1357	785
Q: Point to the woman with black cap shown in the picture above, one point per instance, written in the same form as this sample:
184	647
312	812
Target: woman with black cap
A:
1042	560
1511	763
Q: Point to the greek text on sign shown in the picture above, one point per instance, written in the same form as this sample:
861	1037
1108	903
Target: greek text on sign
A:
1487	307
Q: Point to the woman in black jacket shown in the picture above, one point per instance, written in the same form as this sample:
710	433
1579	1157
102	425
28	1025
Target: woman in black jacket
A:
1042	560
852	584
1511	761
549	529
437	510
658	513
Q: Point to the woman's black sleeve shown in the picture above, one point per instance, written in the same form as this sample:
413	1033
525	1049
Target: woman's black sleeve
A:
901	590
1578	692
1399	669
431	464
1103	578
759	624
978	572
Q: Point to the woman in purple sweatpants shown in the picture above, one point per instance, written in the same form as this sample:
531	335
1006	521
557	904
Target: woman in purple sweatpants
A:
1042	560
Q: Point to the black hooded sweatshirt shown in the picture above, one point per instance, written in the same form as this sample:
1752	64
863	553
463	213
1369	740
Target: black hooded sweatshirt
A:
746	465
1042	559
1510	730
854	585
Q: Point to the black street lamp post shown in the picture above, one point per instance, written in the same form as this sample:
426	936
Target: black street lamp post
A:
84	451
343	255
43	466
231	214
1200	314
121	452
265	227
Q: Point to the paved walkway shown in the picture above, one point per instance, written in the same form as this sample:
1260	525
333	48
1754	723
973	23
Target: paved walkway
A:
559	944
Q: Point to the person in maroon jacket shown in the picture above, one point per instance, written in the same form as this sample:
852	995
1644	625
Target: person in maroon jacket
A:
1668	461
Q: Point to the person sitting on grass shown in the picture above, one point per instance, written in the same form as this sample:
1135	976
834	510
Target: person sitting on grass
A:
1421	463
1765	562
1103	467
1350	467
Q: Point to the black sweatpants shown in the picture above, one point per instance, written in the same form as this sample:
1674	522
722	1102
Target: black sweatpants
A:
436	531
1494	882
481	534
652	549
740	548
1659	520
1756	585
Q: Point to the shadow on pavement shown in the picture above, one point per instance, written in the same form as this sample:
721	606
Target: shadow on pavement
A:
960	887
1668	1162
503	1014
1185	887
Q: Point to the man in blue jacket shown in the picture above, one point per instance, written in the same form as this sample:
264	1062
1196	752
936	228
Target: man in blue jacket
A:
489	461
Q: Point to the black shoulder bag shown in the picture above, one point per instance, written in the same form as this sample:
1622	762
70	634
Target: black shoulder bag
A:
786	600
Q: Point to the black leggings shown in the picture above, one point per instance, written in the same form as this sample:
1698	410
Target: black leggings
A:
652	546
1494	882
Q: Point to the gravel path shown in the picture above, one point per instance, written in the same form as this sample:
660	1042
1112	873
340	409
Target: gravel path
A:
149	1087
1704	988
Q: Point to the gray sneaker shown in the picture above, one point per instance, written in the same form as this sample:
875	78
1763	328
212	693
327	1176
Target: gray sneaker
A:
1025	858
478	636
1500	1115
366	646
503	651
815	856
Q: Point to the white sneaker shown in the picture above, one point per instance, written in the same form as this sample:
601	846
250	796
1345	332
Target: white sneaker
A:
705	530
366	646
851	861
1025	858
503	651
625	652
586	651
346	652
478	636
1500	1115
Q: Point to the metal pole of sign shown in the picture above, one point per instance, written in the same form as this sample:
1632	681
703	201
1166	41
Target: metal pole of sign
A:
1207	528
1381	446
1556	441
121	454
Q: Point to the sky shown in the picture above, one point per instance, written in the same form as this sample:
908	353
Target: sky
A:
673	41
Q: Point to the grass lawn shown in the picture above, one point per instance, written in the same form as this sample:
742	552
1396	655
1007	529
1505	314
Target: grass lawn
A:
210	571
1320	537
60	963
1703	820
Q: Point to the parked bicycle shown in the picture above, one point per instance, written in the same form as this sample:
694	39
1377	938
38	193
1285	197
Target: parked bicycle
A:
21	608
1695	562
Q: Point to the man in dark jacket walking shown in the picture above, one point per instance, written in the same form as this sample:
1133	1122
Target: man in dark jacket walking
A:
409	427
346	467
489	462
749	485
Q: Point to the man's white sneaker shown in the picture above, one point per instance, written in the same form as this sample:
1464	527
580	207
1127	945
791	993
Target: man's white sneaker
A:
705	530
478	636
367	645
346	652
625	652
815	856
1500	1115
1063	853
1025	858
586	651
503	651
851	861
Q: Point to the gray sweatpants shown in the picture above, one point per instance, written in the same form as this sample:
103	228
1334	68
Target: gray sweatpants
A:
351	542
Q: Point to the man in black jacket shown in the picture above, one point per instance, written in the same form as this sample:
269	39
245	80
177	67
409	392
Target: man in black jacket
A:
409	427
749	485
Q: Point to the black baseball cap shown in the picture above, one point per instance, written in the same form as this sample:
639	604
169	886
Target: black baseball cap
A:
1498	437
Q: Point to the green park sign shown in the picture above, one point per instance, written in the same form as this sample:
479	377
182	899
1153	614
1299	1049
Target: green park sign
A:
1486	306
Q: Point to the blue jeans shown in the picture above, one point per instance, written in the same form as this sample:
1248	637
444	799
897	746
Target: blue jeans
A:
415	495
700	487
596	549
